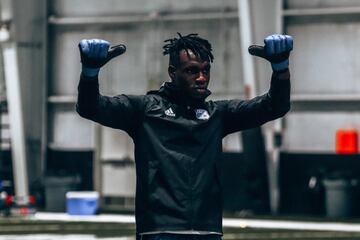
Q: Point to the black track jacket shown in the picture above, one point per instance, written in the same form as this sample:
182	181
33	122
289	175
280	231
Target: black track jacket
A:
178	147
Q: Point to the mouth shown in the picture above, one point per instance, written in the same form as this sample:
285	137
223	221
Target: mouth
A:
200	88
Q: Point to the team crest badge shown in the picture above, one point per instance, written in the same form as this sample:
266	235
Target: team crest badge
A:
202	114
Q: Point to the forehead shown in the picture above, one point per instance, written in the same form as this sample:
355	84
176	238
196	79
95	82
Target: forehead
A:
189	57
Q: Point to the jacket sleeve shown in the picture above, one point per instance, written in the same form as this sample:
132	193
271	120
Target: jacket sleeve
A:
245	114
121	112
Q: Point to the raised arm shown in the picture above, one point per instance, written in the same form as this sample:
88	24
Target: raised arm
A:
94	54
245	114
116	112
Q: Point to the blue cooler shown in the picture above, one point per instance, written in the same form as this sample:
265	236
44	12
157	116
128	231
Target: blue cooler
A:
82	203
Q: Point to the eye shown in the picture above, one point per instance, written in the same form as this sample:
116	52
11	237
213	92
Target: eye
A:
192	70
206	70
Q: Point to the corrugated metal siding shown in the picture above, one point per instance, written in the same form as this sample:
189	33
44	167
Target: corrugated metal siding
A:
324	66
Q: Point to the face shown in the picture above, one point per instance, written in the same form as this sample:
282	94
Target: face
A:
192	75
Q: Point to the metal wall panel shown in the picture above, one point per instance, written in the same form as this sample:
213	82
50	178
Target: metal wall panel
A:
69	130
321	3
324	66
316	132
115	145
265	21
118	181
126	72
79	8
326	58
64	67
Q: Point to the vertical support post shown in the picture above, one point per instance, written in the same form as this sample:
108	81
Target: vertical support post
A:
245	42
16	120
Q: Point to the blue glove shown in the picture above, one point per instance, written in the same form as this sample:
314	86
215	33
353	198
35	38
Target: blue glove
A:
95	53
276	50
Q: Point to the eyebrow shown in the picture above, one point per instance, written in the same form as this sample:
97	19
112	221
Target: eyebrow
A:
188	64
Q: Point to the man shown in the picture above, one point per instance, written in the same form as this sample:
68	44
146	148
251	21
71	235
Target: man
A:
178	135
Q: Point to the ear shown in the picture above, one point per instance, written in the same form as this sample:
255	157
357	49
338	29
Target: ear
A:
171	71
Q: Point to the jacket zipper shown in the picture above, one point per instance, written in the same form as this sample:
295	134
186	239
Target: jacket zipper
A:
191	196
191	187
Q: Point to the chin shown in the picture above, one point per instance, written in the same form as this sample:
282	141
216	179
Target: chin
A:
199	95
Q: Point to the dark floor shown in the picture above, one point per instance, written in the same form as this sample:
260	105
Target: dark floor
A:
19	228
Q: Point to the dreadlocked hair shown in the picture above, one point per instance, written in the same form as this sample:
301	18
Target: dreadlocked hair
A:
199	46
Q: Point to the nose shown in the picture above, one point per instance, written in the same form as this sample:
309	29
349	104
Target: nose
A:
201	79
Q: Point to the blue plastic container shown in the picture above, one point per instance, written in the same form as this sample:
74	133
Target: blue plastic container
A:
82	203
